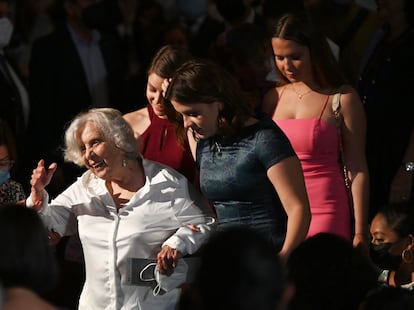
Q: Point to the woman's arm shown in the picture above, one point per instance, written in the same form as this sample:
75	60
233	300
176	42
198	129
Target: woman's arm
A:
287	178
59	216
41	177
353	134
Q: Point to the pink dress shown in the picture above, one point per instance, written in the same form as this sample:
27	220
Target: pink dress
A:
317	146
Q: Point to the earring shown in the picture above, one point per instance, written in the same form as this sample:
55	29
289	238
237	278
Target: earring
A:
407	256
124	162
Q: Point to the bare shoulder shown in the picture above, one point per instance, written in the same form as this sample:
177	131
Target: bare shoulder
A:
137	115
270	100
351	105
139	120
349	96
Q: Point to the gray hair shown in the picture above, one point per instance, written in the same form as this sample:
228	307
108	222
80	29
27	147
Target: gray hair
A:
110	124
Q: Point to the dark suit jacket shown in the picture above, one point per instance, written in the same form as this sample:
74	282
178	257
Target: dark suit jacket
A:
11	104
58	88
11	110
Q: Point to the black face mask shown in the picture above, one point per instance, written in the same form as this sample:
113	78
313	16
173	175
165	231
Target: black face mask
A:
381	256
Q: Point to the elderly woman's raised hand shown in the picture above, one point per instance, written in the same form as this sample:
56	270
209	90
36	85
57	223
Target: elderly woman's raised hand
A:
41	177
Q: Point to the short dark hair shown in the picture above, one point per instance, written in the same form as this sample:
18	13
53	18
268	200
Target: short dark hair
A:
26	259
240	269
329	273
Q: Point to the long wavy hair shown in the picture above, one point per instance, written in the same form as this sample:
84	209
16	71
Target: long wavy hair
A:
164	64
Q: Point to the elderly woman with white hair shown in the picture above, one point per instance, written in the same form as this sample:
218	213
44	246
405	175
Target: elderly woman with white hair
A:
126	208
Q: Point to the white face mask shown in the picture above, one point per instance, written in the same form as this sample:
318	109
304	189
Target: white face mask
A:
6	30
164	282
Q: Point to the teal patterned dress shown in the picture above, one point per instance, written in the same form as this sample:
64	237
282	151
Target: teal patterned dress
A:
233	176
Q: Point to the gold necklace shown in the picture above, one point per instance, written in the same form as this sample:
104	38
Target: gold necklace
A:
300	96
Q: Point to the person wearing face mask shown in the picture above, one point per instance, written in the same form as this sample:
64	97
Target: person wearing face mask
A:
392	244
15	106
11	191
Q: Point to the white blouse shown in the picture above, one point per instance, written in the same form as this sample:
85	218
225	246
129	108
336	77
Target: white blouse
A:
156	215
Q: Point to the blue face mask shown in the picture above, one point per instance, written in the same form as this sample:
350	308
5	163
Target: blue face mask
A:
4	175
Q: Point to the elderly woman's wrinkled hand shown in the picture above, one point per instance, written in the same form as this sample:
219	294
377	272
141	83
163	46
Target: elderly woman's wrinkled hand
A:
41	177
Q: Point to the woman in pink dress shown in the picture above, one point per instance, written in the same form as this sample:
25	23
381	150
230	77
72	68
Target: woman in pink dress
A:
302	107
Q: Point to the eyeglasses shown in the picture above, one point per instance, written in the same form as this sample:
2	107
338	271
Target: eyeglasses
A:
6	163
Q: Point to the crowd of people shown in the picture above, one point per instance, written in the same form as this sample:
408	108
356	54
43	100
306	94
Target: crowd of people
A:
226	154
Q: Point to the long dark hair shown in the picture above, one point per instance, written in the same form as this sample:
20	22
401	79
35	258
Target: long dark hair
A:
400	217
167	60
298	27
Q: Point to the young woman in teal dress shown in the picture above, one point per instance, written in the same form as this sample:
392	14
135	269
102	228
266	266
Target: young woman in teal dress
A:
248	169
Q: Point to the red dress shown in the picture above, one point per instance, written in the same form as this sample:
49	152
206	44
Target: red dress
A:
159	143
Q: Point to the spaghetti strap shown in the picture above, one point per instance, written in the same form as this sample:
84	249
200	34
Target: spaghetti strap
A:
324	106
